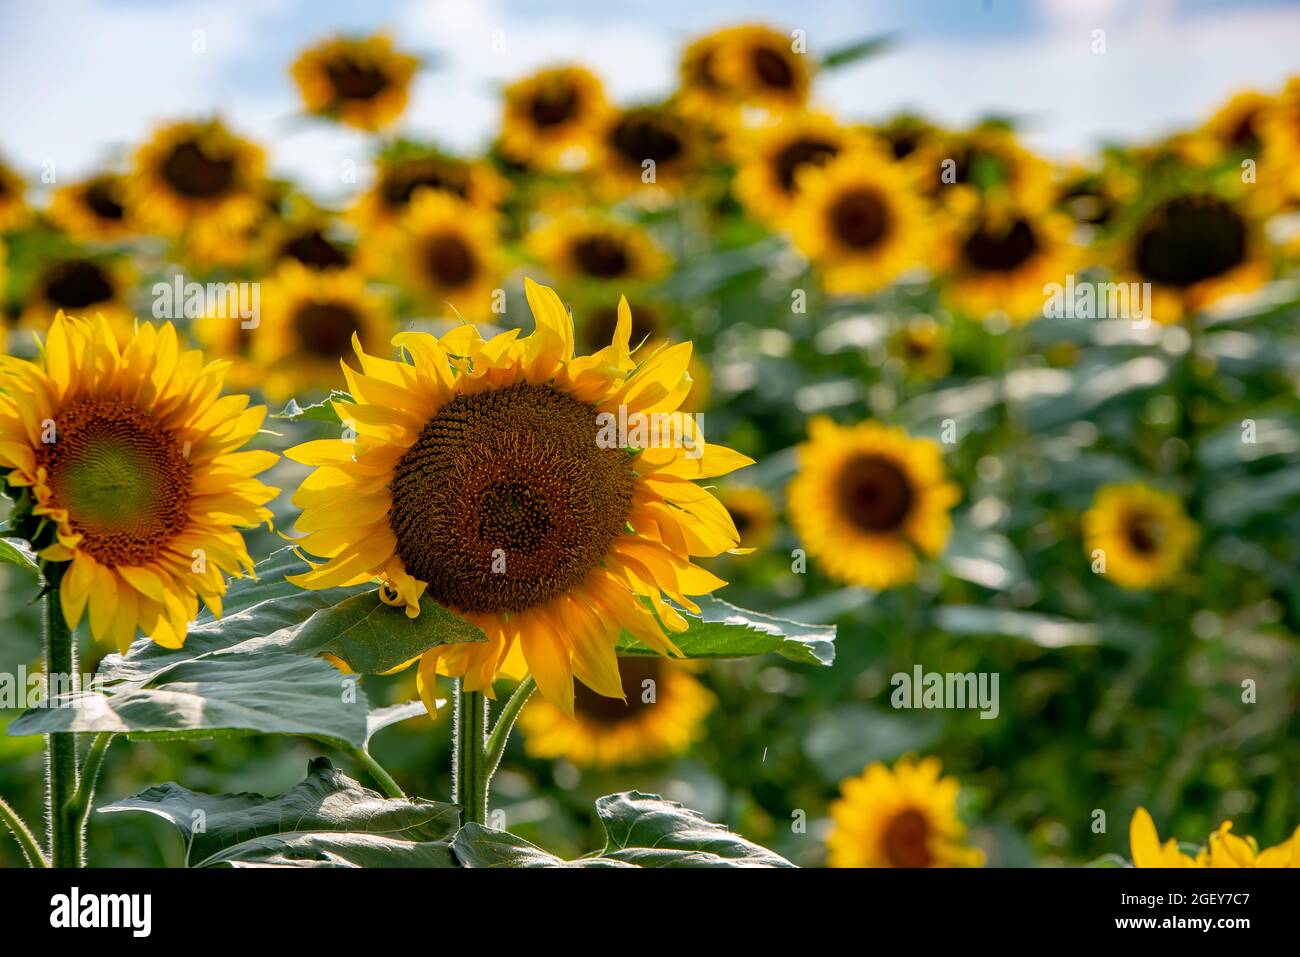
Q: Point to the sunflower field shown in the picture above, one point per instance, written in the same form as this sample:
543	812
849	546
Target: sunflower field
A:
380	528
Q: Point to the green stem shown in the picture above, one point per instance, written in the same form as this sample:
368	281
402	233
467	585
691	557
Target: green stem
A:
496	742
61	749
377	771
471	782
79	806
23	835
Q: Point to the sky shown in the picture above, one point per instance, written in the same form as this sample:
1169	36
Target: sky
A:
85	79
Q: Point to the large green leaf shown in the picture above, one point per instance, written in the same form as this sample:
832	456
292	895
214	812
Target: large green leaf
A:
327	820
641	830
722	630
15	552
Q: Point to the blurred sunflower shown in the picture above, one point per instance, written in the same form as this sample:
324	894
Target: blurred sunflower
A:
200	182
753	512
306	328
920	346
1000	260
988	163
661	714
773	156
482	476
84	285
312	244
13	206
578	244
407	169
866	498
1280	128
646	150
554	118
1142	532
860	220
1093	198
900	817
448	252
360	81
1225	848
94	209
760	66
1195	249
903	135
1235	126
144	490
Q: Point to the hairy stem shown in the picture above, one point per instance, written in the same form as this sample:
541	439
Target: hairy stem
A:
378	772
61	775
23	835
79	805
471	779
496	742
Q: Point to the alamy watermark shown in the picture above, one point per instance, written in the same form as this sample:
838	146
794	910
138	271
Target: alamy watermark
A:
1098	300
21	689
946	691
179	299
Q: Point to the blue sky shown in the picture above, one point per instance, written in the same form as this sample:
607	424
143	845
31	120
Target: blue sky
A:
85	78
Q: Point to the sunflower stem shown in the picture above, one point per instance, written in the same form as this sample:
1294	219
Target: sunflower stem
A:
23	835
378	772
471	779
79	805
496	743
61	773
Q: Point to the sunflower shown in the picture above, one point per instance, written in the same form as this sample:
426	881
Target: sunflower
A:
360	81
85	285
554	118
662	713
761	67
753	512
904	134
919	344
1225	848
94	209
1279	126
900	817
866	498
1195	249
448	253
1143	534
773	156
860	220
1235	126
1093	198
143	491
200	182
593	246
306	328
646	149
13	207
701	93
408	170
485	476
1001	259
989	163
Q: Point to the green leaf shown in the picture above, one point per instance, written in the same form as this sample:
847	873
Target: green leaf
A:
722	630
16	552
641	830
327	820
319	412
214	696
372	637
861	49
1047	631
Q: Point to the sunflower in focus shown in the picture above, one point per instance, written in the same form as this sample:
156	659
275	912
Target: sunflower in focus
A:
662	713
900	817
360	81
94	209
448	252
598	248
1225	848
144	491
408	169
867	498
487	475
554	118
1000	260
921	347
85	285
646	150
1143	533
1195	249
774	155
13	207
200	182
753	512
306	328
861	221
